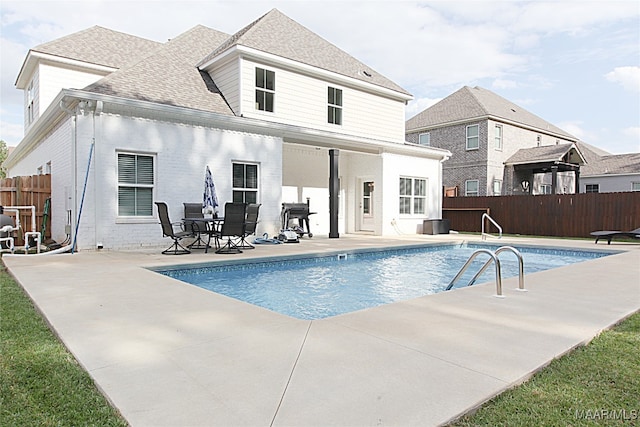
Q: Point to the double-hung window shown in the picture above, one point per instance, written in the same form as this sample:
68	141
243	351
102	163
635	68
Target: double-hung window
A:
245	183
497	187
424	139
135	184
471	187
498	137
413	196
473	137
635	186
265	89
30	103
334	109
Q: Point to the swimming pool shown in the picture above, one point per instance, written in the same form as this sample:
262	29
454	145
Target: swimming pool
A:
315	287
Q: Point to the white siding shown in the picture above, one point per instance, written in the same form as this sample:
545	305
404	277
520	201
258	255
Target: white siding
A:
54	78
609	184
227	79
302	101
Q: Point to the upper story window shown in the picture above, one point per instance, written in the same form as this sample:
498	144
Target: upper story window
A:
498	137
473	137
30	103
424	139
497	187
471	187
539	140
413	196
135	184
245	183
592	188
265	89
334	109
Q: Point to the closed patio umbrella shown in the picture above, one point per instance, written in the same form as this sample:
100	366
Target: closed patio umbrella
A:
209	199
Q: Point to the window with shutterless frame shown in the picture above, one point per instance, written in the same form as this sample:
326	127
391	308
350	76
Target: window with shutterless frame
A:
265	89
245	182
136	180
424	139
334	108
413	196
471	187
473	137
592	188
498	137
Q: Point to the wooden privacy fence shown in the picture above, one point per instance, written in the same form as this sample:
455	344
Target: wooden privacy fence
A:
558	215
27	191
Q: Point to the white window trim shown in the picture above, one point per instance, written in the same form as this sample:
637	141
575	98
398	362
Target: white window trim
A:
428	134
498	146
467	137
498	193
413	197
635	186
247	189
336	106
264	89
141	218
466	188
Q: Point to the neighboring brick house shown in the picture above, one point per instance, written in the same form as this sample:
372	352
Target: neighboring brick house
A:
120	122
483	131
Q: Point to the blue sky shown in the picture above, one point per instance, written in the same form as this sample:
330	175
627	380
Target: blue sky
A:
574	63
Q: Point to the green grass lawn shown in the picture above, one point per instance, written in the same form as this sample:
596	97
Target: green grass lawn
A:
41	384
594	385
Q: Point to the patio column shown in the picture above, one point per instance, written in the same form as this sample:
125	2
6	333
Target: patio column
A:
554	178
334	192
577	188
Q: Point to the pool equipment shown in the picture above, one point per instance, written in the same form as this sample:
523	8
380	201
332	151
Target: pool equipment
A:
7	229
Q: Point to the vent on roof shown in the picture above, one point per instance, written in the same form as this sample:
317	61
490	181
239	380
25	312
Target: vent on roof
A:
513	109
365	73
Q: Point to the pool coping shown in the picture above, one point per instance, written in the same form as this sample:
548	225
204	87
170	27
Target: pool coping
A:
171	355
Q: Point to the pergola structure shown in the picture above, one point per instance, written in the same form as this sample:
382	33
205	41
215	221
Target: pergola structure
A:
545	159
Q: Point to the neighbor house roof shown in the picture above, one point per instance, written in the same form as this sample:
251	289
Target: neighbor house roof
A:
547	154
169	75
600	162
469	104
275	33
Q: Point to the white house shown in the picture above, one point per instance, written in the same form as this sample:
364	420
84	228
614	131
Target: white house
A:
120	122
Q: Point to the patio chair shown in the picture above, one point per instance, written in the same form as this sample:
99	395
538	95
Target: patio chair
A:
607	234
197	228
250	223
232	227
168	231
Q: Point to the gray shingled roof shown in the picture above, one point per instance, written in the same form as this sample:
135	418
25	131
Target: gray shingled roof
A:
473	103
613	164
277	34
100	46
542	154
169	75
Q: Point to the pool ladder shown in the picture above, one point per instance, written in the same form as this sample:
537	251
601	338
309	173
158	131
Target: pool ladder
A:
493	257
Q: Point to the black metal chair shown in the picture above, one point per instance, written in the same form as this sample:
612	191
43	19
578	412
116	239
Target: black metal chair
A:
197	228
250	223
168	231
232	227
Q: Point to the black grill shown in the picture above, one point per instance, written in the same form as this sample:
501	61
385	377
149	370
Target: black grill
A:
299	211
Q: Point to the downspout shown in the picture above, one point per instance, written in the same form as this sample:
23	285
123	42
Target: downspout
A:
96	110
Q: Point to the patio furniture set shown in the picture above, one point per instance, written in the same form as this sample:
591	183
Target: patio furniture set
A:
239	222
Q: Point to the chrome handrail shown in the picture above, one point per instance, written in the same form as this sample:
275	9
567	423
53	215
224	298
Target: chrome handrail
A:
471	258
497	252
485	215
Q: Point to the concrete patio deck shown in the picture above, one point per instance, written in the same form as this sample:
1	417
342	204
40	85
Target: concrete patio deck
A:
170	354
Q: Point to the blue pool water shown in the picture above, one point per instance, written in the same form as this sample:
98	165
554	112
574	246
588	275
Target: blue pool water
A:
315	287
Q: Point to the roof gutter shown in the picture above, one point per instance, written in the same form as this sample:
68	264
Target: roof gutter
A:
68	99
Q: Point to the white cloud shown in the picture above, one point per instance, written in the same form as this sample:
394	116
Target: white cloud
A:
419	105
627	77
504	84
